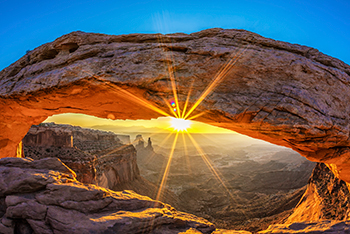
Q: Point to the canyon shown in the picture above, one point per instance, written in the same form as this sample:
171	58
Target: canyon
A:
96	157
286	94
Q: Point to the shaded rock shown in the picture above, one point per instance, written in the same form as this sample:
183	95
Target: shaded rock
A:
27	210
6	230
23	180
81	162
54	202
320	227
46	163
39	226
223	231
326	197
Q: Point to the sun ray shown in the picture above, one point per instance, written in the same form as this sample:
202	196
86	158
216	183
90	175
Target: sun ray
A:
169	60
170	107
187	100
167	168
138	100
186	155
115	150
210	166
197	115
174	88
217	79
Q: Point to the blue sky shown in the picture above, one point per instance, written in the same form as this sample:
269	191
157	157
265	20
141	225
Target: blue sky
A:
324	25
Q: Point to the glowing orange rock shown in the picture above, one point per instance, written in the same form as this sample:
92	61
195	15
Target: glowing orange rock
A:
287	94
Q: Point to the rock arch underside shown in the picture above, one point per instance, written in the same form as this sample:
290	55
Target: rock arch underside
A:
283	93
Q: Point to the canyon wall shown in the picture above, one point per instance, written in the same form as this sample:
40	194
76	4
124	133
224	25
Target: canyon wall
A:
326	198
117	167
41	136
92	154
97	157
324	207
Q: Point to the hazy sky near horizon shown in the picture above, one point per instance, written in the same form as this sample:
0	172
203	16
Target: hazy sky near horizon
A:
322	24
161	124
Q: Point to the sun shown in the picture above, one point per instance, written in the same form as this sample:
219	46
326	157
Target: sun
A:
180	124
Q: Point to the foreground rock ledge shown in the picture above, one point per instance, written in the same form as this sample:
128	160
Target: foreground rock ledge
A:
284	93
43	196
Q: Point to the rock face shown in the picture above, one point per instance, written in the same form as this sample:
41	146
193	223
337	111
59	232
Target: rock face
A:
41	136
79	147
324	207
326	197
43	196
98	157
287	94
117	167
142	150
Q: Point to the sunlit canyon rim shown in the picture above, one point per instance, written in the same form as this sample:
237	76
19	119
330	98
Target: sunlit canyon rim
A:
283	93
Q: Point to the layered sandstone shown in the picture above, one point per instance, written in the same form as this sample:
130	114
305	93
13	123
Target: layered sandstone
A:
288	94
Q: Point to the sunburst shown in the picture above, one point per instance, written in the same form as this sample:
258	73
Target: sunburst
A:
181	118
180	124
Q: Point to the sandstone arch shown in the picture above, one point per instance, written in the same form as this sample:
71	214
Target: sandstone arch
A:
287	94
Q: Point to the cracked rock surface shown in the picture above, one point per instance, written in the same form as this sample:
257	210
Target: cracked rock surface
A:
51	200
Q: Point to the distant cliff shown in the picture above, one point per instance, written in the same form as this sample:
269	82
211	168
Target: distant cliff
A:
97	157
41	135
117	166
139	144
77	147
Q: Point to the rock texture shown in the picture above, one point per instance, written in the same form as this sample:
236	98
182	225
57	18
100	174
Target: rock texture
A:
79	148
321	227
43	196
98	157
326	198
288	94
324	207
117	166
81	162
42	136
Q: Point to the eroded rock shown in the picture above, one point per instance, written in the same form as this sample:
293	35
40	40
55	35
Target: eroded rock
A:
326	226
326	198
287	94
55	202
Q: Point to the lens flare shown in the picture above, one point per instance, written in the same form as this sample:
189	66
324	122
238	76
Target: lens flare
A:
180	124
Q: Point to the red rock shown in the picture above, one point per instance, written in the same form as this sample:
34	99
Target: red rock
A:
47	201
284	93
